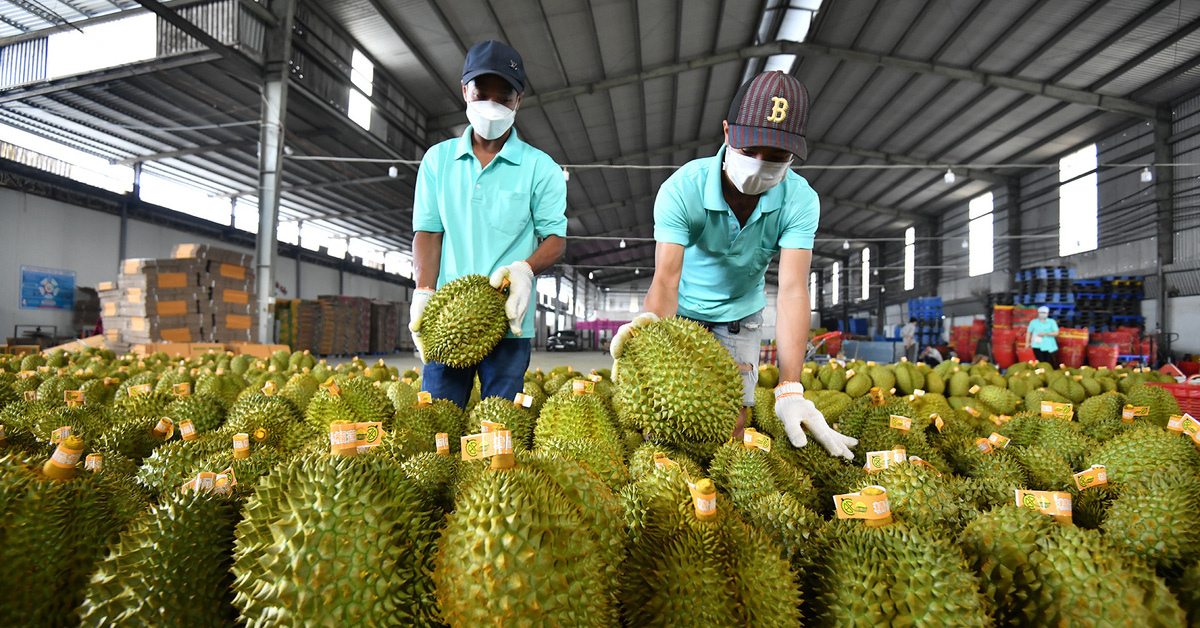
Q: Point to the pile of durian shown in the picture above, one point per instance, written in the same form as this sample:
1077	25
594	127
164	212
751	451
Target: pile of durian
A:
596	521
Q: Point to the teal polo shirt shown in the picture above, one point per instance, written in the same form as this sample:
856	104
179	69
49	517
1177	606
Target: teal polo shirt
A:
489	217
725	264
1046	343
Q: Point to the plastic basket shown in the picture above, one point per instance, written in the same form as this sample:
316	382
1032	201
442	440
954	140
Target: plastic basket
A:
1188	395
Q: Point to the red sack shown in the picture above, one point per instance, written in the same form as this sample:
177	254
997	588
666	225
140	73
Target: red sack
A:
1103	355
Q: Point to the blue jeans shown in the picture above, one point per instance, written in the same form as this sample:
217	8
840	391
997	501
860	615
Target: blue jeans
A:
501	374
744	346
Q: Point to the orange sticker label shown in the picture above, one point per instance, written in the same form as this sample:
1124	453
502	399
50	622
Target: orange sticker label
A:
998	441
487	427
849	373
367	435
30	395
921	463
955	360
523	400
880	460
94	462
477	446
1128	413
596	378
902	423
182	389
1055	410
27	374
241	442
60	434
1000	419
187	430
706	503
984	445
580	387
424	399
268	389
1191	426
141	389
343	436
203	481
751	439
1096	475
502	442
442	441
877	396
860	506
661	461
1175	423
938	422
1051	503
1040	371
972	411
74	398
65	457
974	389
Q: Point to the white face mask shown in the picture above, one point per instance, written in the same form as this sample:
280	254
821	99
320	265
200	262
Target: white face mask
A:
490	119
753	176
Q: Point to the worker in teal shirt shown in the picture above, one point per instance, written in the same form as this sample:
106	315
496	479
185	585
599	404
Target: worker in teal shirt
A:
1041	334
482	202
719	221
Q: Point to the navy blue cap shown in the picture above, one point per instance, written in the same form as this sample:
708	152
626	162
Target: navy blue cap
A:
493	57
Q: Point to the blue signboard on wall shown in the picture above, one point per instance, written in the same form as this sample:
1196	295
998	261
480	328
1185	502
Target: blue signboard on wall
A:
47	288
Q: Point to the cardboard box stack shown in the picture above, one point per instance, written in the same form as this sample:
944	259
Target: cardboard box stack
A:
228	279
200	294
345	325
299	324
384	326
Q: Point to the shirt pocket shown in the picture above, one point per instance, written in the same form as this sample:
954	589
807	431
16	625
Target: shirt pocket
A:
762	257
509	212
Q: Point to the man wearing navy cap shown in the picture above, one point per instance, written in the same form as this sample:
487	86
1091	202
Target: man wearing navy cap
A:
719	221
482	203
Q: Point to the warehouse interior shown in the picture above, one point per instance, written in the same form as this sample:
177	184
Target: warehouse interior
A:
948	103
234	389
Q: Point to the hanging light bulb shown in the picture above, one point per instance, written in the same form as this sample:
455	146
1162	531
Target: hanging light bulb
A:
622	244
845	245
393	172
637	271
591	275
949	177
566	174
1147	176
964	244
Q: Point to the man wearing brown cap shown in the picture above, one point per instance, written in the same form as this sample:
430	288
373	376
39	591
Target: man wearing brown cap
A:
719	221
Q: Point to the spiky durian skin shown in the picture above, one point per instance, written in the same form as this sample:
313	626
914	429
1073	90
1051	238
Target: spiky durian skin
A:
206	412
1159	400
171	567
356	400
266	419
676	380
1154	518
921	498
999	545
463	322
361	554
570	416
1139	452
165	470
722	572
601	459
402	394
1100	416
895	574
562	524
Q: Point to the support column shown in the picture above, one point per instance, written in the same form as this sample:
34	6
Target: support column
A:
1014	229
278	51
1164	178
844	280
299	248
881	251
134	195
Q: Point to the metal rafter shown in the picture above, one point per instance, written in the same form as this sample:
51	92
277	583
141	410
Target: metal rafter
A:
1143	17
1086	98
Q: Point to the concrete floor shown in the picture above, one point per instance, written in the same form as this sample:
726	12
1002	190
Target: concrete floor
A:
582	361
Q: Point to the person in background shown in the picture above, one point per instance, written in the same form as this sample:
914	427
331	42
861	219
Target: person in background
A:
718	222
482	202
1041	335
931	356
908	334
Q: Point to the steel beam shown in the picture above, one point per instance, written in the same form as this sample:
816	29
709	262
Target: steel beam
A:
1145	56
278	51
183	152
1057	92
970	173
402	33
243	64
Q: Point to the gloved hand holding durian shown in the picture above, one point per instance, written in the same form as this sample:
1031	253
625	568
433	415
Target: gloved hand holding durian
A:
796	413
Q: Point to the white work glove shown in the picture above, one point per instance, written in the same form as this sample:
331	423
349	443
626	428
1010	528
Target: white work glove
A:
416	314
624	332
520	287
796	412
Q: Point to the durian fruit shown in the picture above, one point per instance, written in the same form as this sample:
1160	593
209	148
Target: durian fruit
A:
540	542
747	475
206	412
685	569
53	388
299	389
1100	416
641	461
1139	452
858	385
133	438
896	574
675	379
604	460
171	567
1186	588
402	395
994	477
1161	402
1068	387
1089	508
763	416
442	416
1067	440
1085	581
922	499
330	540
998	545
165	470
788	523
575	416
768	376
463	322
1045	469
999	400
441	477
268	420
1154	518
